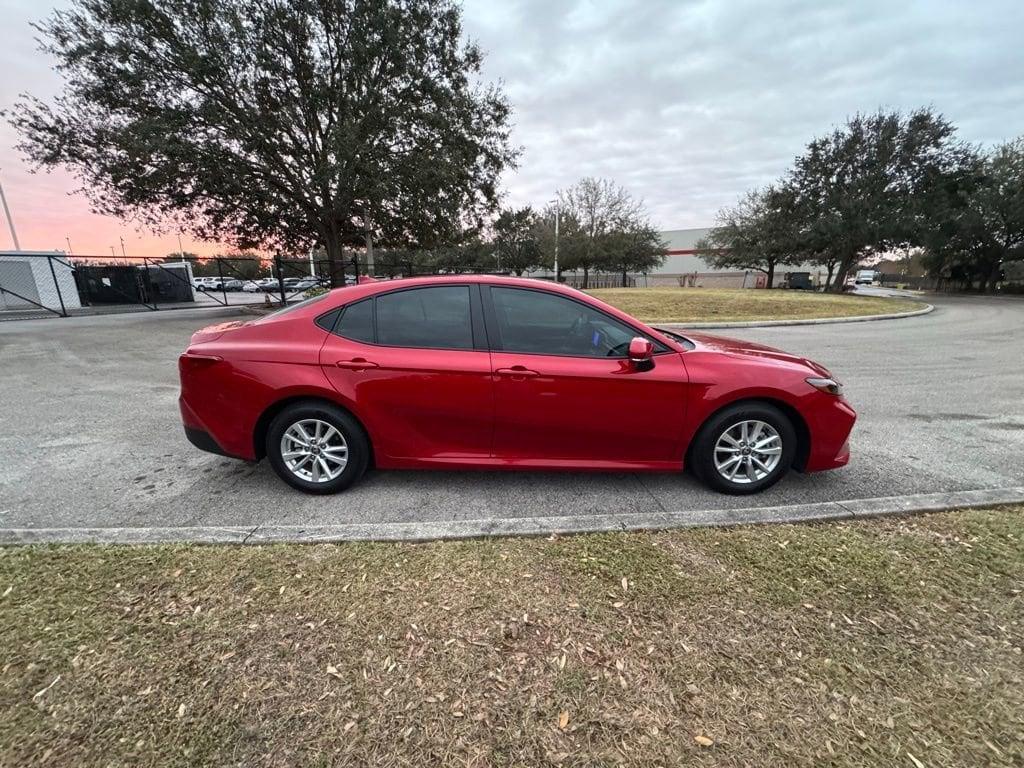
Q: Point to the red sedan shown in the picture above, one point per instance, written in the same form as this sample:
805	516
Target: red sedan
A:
499	373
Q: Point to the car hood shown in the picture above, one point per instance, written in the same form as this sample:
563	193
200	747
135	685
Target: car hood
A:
740	348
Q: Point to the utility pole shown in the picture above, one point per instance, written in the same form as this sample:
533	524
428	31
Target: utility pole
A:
123	254
112	254
10	221
369	244
558	212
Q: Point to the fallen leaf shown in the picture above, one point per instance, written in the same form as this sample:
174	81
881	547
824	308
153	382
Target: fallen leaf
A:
349	726
917	763
333	671
625	584
563	720
181	710
40	693
703	740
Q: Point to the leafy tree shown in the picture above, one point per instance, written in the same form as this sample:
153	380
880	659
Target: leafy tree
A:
766	229
858	184
592	209
602	227
978	224
274	123
638	248
516	244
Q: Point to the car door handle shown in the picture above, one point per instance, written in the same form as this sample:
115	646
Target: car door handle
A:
356	364
517	372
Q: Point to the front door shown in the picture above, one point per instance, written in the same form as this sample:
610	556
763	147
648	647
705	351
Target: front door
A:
566	392
415	363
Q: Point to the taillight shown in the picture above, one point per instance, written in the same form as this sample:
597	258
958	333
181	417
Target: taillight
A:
193	361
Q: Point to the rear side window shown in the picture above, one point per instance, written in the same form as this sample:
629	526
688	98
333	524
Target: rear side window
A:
436	317
357	321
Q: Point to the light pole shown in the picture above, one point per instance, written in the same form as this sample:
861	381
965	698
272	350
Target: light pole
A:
558	211
10	221
67	239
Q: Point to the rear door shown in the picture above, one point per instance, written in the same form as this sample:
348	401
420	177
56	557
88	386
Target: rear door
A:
565	390
415	363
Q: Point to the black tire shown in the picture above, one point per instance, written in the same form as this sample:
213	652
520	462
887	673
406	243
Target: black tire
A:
702	454
351	430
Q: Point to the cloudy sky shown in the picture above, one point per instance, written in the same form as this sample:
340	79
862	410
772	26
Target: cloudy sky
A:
687	104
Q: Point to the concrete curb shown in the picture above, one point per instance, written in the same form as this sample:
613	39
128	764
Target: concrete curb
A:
531	526
815	321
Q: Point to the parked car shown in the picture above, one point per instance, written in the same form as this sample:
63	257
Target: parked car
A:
217	284
205	283
263	284
305	284
501	373
864	277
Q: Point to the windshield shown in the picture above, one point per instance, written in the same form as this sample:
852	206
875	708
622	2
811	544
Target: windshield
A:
677	338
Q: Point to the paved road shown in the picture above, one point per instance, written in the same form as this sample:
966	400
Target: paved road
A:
90	436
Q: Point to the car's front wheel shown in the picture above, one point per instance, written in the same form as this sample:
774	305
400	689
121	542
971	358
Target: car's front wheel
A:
744	448
317	447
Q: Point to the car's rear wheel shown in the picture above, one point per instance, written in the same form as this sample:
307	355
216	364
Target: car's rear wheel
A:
317	447
744	449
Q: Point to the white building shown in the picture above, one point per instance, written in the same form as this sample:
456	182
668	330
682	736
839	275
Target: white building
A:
37	280
685	267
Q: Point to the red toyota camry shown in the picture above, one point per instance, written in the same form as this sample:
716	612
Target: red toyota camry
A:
493	373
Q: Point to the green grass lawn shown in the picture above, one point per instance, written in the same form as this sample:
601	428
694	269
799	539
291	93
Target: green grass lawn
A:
890	642
692	305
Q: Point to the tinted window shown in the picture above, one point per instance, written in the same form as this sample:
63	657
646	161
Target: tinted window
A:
357	321
425	317
327	321
543	323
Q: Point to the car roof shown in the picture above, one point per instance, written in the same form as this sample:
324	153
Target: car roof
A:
349	294
372	286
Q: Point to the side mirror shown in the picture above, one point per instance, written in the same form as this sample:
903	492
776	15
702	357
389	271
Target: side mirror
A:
641	353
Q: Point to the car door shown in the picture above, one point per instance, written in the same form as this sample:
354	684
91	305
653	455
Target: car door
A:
414	362
565	391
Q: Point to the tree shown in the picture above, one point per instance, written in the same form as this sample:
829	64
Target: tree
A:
516	244
764	230
638	248
979	223
274	123
591	210
858	184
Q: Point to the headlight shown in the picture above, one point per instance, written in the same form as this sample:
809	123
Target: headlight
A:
831	386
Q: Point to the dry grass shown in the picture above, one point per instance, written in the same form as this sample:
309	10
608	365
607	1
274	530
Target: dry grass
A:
890	643
692	305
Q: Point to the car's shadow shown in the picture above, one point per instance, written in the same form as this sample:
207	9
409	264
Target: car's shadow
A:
418	495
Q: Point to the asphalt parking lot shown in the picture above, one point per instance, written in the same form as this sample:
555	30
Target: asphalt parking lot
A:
91	436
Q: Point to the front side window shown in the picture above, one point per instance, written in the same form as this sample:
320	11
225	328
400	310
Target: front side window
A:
542	323
436	317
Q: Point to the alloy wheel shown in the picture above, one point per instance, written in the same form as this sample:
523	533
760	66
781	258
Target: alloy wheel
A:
748	451
314	450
